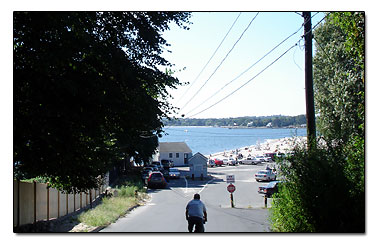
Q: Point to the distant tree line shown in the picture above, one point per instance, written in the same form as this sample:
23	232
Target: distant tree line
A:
277	121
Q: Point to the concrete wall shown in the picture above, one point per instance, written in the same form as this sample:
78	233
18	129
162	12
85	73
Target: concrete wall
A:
62	204
15	203
53	203
26	203
35	202
41	201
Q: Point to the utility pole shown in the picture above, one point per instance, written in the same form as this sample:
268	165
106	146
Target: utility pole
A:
309	97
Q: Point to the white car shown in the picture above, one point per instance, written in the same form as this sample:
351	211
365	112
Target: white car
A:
263	158
265	175
225	161
232	161
249	160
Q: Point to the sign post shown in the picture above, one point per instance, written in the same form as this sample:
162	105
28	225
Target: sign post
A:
231	188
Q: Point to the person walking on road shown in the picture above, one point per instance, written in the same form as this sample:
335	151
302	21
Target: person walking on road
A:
196	214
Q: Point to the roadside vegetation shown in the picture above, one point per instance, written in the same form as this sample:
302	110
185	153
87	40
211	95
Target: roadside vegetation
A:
111	208
324	185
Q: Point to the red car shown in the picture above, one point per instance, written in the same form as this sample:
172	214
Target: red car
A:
218	162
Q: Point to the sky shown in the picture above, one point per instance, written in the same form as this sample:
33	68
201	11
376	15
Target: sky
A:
279	90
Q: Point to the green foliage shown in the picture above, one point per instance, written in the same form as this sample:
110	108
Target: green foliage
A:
338	80
127	191
112	208
127	186
324	185
354	169
287	213
88	92
316	195
107	212
353	25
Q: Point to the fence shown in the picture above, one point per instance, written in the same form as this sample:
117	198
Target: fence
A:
34	202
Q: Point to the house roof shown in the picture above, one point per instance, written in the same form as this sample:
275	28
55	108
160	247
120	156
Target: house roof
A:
179	147
198	155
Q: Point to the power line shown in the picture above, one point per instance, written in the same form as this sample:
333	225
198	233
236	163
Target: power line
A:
222	61
304	23
209	59
316	24
294	33
247	81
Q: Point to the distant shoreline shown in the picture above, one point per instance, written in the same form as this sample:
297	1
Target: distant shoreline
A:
236	127
281	145
210	140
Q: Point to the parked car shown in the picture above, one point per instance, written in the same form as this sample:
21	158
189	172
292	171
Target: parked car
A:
232	161
263	158
270	189
156	179
250	161
225	161
174	173
150	168
144	175
156	163
265	175
211	163
167	163
218	162
270	155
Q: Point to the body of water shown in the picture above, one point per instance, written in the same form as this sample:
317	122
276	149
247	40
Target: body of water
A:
209	140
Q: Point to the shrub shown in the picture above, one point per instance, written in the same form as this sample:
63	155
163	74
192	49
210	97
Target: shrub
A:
316	195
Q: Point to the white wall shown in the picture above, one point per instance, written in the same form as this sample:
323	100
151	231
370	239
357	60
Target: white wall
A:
198	167
177	161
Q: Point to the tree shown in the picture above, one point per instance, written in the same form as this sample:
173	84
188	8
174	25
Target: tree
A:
324	186
339	76
87	91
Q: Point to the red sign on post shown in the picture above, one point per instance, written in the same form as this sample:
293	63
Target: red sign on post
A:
231	188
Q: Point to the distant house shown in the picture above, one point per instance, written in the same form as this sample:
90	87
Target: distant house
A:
178	152
198	166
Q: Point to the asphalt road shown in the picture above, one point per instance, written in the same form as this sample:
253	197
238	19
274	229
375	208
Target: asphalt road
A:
165	212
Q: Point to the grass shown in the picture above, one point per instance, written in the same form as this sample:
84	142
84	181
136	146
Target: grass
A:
108	211
112	208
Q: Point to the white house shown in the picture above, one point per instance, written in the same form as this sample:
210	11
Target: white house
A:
178	152
198	166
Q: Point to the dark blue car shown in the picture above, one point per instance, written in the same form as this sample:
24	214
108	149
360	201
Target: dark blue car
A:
270	189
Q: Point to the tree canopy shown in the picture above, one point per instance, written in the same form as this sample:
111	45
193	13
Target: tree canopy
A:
339	76
88	91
